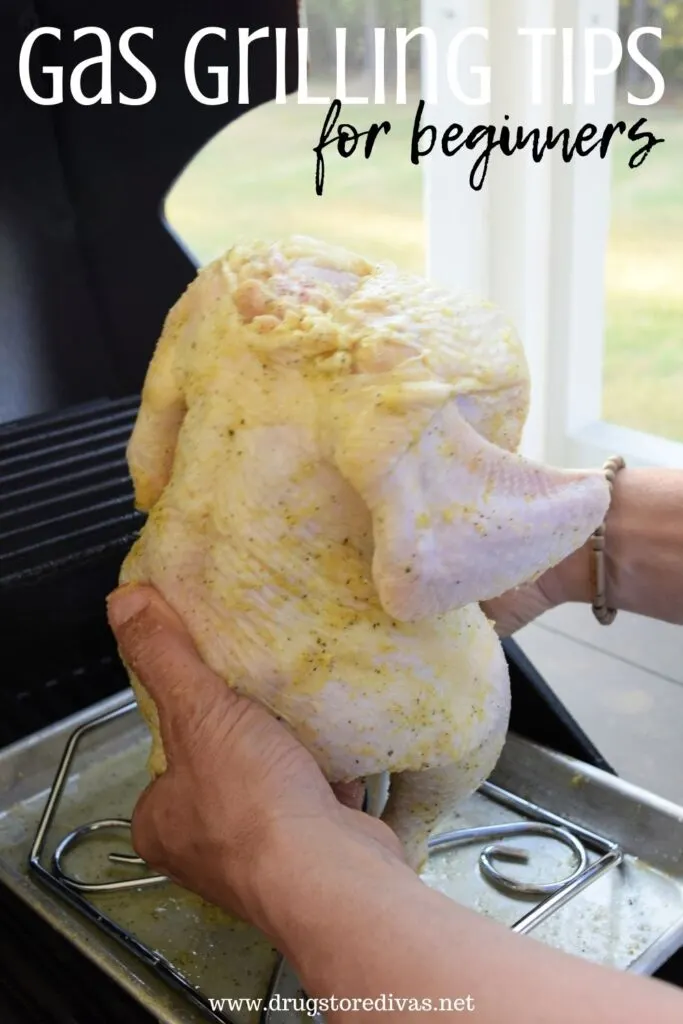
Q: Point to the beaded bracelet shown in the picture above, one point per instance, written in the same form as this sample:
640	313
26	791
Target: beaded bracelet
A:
602	613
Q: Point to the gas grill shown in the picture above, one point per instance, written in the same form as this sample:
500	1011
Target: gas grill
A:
87	273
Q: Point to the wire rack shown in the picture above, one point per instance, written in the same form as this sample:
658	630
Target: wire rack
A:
536	821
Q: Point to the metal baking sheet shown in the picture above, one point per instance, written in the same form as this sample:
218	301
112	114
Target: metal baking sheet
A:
632	918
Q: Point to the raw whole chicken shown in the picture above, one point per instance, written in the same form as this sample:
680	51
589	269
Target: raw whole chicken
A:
325	448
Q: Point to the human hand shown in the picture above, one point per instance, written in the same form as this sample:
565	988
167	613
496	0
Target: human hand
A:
241	799
568	581
517	608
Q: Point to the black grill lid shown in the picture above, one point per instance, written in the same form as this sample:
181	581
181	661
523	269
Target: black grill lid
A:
88	272
88	269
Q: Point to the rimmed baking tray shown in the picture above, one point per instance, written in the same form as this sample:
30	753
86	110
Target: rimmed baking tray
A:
632	918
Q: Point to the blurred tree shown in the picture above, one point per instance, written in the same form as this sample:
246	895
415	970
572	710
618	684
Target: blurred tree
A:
672	43
361	17
667	55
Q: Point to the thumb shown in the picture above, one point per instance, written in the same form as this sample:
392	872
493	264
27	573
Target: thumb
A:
156	646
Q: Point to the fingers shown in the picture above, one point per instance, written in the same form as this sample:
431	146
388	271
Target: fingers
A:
151	827
143	835
350	794
516	609
157	648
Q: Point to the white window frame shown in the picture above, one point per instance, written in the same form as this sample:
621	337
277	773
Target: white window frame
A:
535	239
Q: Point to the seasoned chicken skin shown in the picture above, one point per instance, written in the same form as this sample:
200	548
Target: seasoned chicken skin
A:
325	448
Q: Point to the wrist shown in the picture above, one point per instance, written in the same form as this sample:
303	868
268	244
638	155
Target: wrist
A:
642	542
285	857
312	874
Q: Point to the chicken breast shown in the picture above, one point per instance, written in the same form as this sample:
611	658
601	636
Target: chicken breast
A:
326	450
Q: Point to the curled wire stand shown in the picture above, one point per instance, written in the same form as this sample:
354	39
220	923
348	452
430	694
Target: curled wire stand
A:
540	822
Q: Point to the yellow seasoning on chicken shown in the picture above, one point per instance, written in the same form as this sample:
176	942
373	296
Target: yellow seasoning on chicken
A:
326	450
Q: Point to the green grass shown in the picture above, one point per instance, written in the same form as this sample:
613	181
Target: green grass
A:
256	180
643	382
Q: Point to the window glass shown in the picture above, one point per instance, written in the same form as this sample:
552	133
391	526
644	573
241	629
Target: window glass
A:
256	179
643	365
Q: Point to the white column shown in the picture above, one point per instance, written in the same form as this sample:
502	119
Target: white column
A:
580	217
457	218
520	199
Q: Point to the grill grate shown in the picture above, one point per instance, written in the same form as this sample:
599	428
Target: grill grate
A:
66	520
27	710
64	487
